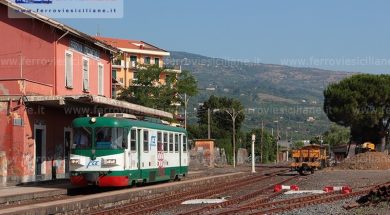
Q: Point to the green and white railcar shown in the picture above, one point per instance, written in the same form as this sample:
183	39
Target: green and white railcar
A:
111	151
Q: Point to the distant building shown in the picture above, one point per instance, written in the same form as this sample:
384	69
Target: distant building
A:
134	53
310	119
339	152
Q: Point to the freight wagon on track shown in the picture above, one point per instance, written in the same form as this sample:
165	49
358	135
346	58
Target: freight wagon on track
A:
309	158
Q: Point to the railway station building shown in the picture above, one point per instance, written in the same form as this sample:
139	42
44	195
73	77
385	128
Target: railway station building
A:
50	74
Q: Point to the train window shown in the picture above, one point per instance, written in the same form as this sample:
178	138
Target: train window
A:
170	142
124	138
159	142
146	141
165	140
111	138
82	138
133	140
176	143
184	143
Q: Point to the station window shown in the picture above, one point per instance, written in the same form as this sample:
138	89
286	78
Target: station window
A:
176	142
165	140
170	142
159	142
133	140
184	143
146	141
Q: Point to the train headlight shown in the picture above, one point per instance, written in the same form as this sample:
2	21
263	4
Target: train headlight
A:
75	161
109	162
93	119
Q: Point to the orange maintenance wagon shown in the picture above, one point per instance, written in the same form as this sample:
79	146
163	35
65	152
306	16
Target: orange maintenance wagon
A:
309	158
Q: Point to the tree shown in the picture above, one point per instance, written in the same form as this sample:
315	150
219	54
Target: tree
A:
316	140
143	87
360	101
224	113
147	90
267	144
186	83
298	145
336	135
221	121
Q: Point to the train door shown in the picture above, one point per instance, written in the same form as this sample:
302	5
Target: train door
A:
180	151
160	154
139	143
184	157
133	152
127	153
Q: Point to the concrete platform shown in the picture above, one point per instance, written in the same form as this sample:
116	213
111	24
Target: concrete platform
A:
11	194
36	190
80	204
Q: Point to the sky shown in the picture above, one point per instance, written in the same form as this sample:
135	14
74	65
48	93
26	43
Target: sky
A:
349	35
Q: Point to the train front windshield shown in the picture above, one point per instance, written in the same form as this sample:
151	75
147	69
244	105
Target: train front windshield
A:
111	138
105	138
82	138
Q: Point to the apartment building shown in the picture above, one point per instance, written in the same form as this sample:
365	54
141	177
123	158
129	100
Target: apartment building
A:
134	53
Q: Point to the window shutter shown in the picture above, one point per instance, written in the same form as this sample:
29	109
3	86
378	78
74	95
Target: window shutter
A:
85	75
100	79
69	70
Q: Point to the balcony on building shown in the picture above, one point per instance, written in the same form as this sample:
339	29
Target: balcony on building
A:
172	69
118	63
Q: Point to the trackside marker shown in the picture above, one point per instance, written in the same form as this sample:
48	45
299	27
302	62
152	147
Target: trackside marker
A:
280	187
343	189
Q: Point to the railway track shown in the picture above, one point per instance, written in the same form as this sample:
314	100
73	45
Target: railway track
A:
300	202
263	206
83	191
166	201
240	199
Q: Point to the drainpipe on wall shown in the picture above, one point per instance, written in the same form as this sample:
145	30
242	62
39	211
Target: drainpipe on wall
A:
21	65
111	57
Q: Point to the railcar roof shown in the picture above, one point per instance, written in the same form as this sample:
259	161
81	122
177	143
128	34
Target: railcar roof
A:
121	122
313	146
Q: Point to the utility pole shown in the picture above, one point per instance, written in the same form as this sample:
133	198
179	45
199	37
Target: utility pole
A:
21	65
208	124
277	143
253	153
234	115
261	141
185	109
277	140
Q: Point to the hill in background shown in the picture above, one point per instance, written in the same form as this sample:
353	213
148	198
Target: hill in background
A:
290	95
